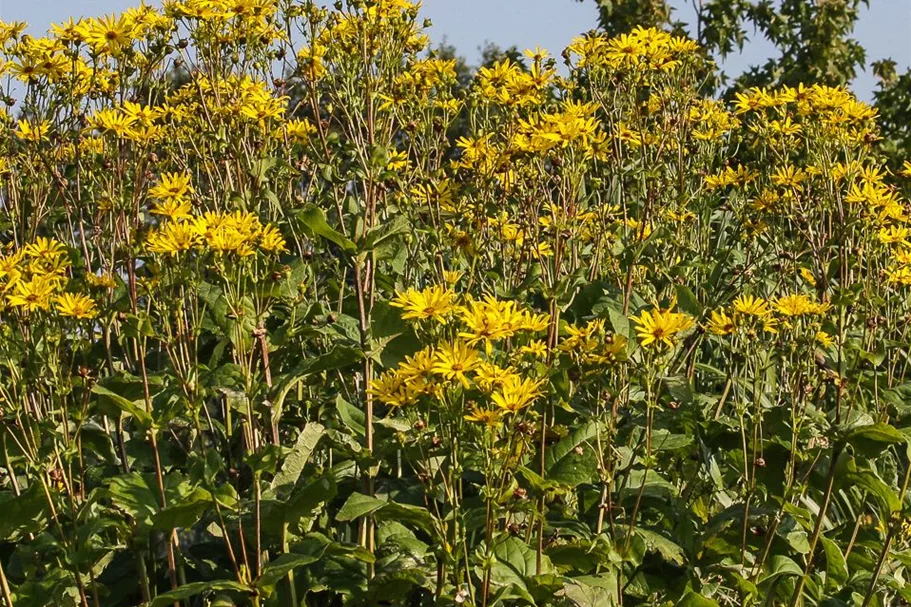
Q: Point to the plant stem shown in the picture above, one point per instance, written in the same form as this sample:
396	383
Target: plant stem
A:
817	530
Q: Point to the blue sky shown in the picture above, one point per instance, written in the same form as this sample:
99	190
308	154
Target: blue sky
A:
884	28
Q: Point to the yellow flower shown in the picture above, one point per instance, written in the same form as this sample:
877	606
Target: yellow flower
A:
900	275
730	176
171	186
808	276
789	176
9	267
299	130
76	306
171	239
45	249
491	320
228	232
419	367
113	121
397	161
488	417
516	393
824	339
107	35
33	132
531	322
391	389
536	348
140	113
770	324
34	294
454	360
785	127
751	306
271	240
721	323
490	376
660	326
452	276
752	100
538	54
433	302
174	209
583	337
105	281
47	256
792	305
310	61
905	530
894	235
798	305
260	105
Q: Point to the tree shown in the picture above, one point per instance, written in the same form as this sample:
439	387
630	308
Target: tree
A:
812	40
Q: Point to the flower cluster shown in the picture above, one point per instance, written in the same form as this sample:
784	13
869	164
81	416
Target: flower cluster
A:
35	276
456	362
238	233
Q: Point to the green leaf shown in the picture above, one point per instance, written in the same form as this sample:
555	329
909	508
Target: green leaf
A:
794	535
185	512
305	499
294	463
383	235
575	557
572	461
670	551
137	325
662	440
359	505
186	591
687	301
261	167
655	484
538	484
619	321
836	565
379	157
226	496
400	539
393	587
520	557
136	494
877	488
417	516
580	594
225	377
747	589
780	565
694	599
515	564
133	408
25	513
315	221
280	567
351	416
872	439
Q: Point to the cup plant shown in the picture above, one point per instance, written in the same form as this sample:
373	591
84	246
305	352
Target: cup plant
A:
292	317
